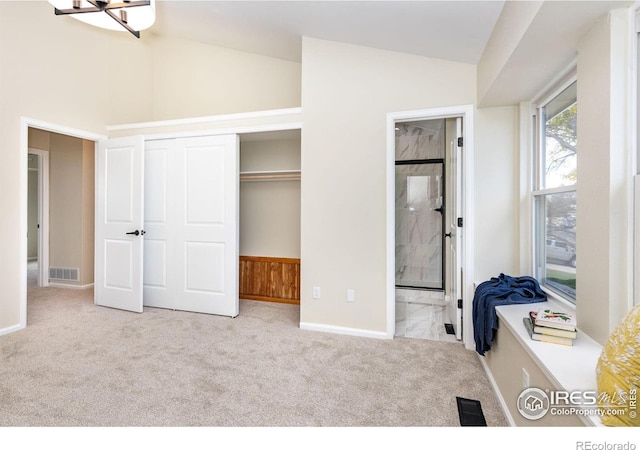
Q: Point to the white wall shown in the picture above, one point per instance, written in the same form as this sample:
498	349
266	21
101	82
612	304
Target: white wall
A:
191	79
604	239
512	25
347	91
270	210
496	193
36	71
65	201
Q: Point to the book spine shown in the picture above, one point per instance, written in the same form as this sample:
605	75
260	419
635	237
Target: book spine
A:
548	339
555	332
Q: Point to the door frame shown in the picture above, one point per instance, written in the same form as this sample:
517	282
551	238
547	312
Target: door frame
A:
25	124
43	215
466	113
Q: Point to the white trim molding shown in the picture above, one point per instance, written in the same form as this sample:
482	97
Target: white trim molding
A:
11	329
343	330
25	124
526	143
43	215
207	119
466	112
221	131
72	286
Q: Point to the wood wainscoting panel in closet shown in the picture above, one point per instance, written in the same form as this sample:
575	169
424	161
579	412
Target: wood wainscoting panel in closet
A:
270	279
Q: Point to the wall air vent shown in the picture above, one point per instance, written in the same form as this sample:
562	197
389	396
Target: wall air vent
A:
64	273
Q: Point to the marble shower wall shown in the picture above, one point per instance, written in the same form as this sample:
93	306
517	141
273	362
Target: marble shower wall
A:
419	191
420	140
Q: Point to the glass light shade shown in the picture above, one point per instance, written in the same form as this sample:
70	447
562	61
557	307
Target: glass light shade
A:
138	17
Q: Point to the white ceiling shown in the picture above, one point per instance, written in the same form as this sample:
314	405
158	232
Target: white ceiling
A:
453	30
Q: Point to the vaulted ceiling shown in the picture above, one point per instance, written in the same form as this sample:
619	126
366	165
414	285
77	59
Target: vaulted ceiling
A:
453	30
533	39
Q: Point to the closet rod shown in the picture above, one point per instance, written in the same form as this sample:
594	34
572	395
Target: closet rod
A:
271	175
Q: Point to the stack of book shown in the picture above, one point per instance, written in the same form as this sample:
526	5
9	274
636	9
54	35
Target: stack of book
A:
548	325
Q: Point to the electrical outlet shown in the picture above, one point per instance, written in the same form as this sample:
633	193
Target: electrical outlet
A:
525	379
316	292
351	295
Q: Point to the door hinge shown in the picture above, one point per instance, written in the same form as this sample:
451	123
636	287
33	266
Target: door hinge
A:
460	222
460	141
459	303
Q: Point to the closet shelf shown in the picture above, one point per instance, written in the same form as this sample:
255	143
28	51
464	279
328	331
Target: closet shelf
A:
270	175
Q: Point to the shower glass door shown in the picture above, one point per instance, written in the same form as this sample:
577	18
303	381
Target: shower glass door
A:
419	224
420	202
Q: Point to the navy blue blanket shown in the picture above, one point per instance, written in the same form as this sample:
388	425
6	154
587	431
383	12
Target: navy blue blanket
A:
503	290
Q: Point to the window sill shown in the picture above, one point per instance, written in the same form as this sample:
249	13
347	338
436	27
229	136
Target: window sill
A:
567	368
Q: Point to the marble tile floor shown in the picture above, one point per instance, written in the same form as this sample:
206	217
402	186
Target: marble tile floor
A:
421	314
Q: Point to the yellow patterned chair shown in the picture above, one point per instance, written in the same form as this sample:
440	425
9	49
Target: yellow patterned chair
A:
618	373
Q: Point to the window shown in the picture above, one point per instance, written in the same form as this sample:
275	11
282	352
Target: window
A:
555	193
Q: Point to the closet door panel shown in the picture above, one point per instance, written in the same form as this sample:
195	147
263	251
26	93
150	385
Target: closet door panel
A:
191	239
159	250
155	269
119	211
204	267
204	174
208	221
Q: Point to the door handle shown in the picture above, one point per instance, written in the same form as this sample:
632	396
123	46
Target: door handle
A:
447	235
136	233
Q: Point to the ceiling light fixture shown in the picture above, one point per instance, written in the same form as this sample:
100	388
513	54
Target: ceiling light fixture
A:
130	15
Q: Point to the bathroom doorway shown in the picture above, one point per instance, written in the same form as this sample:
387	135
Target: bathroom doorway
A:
426	229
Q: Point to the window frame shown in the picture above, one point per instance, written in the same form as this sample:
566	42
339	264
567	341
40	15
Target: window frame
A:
537	191
634	86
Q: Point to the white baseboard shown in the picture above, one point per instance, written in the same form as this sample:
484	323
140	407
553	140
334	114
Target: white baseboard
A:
71	286
503	404
11	329
343	330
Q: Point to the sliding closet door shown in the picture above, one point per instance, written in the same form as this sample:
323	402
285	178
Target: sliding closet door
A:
191	249
159	220
118	230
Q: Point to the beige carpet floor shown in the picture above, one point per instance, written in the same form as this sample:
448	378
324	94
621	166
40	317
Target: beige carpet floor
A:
77	364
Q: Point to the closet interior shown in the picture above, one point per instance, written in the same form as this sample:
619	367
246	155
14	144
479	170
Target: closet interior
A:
269	237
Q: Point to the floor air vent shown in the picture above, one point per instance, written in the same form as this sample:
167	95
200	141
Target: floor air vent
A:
470	413
63	273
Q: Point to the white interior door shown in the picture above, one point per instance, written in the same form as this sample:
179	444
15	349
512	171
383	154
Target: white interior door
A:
191	219
159	279
119	220
455	243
